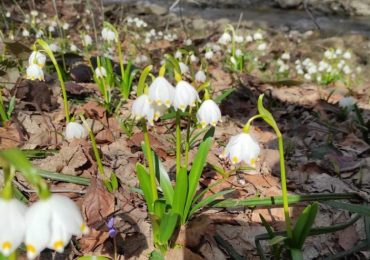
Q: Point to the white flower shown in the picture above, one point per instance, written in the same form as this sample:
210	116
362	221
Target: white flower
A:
34	13
178	55
216	47
347	55
54	47
347	102
108	35
184	68
7	14
34	72
329	54
37	58
12	225
39	34
248	38
87	40
347	70
200	76
257	36
51	223
100	72
233	60
73	48
285	56
25	33
262	46
209	113
209	55
225	38
75	130
338	51
238	53
307	76
185	95
51	28
188	42
242	148
141	108
161	92
239	39
65	26
323	66
194	59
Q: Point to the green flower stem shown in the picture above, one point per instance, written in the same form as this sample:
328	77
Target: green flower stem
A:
95	148
178	142
233	47
7	192
3	114
187	144
247	126
47	49
283	184
121	65
150	162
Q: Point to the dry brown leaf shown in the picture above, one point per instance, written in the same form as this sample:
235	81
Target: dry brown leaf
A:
98	203
95	238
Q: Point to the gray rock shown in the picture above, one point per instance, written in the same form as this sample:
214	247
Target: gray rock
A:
289	3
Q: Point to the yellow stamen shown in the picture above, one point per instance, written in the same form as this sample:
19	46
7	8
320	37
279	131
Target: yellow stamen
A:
31	249
168	103
235	159
253	162
83	228
58	244
6	245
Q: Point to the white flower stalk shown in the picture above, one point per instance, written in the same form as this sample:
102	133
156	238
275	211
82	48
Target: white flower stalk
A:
87	40
209	113
225	39
242	148
38	58
347	102
75	130
161	92
12	225
200	76
34	72
108	35
51	223
100	72
185	95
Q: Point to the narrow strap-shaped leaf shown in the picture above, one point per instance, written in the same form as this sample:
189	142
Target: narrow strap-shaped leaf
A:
159	208
303	226
363	210
276	240
144	181
142	79
167	227
208	201
224	94
162	176
195	173
181	192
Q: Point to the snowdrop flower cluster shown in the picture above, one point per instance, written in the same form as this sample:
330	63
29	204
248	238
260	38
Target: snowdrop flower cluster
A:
48	223
242	148
75	130
282	66
108	35
137	22
36	62
154	35
141	59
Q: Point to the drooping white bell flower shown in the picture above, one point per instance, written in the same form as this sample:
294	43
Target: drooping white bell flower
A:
185	95
73	48
347	55
242	148
12	225
209	55
51	223
161	92
25	33
87	40
225	38
37	58
194	59
183	68
141	107
347	102
108	35
200	76
34	72
100	72
65	26
257	36
209	113
75	130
